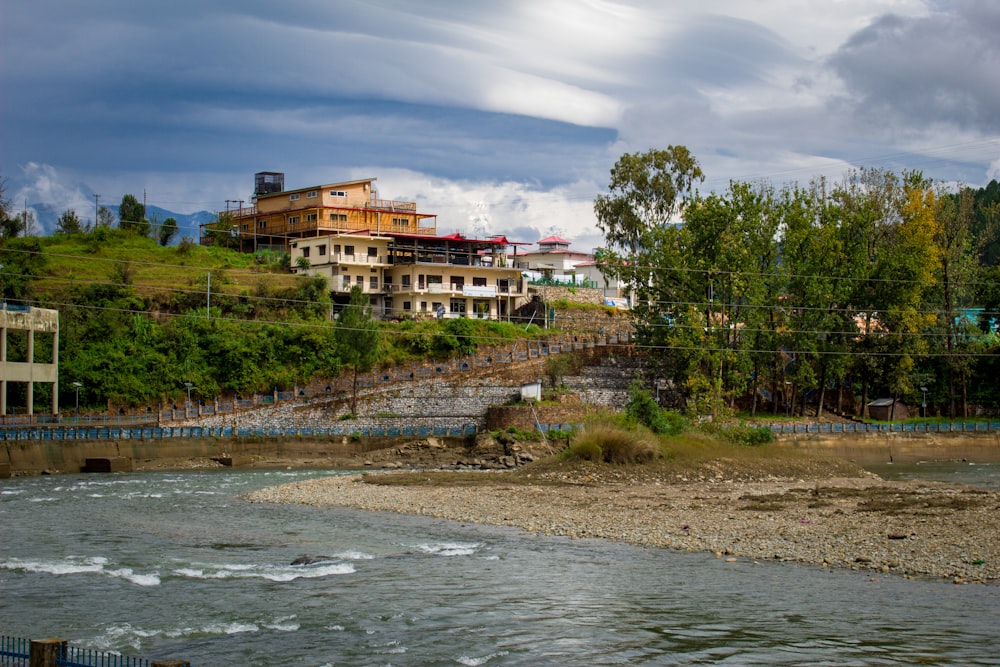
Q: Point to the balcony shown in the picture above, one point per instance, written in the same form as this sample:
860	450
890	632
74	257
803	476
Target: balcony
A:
392	205
458	290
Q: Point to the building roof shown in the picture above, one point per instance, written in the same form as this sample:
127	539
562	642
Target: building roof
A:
318	187
554	239
456	237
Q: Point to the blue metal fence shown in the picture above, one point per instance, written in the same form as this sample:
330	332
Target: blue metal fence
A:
15	651
930	427
168	432
82	657
147	433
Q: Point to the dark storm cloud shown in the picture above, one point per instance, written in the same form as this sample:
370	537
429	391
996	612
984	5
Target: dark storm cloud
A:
941	68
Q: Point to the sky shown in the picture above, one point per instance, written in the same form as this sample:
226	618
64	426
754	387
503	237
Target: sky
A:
500	117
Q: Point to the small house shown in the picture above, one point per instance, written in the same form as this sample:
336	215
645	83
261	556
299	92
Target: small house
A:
887	409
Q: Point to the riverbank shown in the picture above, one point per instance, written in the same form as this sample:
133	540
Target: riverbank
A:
911	529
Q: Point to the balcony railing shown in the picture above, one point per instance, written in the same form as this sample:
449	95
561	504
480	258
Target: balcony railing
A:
392	205
450	288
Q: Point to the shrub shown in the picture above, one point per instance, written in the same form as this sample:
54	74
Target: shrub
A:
613	445
642	408
748	436
585	450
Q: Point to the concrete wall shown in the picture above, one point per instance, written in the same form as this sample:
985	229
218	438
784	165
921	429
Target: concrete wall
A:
37	457
898	447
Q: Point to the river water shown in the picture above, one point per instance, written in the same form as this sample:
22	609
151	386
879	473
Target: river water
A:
176	565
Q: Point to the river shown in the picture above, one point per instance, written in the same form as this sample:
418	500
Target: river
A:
177	565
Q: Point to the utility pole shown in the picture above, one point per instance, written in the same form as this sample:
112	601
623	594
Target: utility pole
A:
97	208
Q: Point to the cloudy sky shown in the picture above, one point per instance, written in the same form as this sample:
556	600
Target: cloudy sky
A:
501	117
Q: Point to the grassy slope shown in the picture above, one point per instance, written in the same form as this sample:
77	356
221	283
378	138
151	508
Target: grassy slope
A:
75	261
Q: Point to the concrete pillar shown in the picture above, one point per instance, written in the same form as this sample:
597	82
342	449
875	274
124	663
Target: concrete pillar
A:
31	366
55	362
45	652
3	361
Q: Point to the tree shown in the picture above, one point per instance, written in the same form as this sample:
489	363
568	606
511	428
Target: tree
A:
132	216
69	223
959	271
358	338
105	217
167	231
4	209
646	192
222	232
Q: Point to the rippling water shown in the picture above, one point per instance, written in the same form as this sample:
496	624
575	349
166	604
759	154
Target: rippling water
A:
176	565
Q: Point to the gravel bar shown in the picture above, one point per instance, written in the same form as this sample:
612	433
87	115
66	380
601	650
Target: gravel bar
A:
911	529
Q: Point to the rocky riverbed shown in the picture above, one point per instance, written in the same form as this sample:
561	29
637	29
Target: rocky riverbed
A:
911	529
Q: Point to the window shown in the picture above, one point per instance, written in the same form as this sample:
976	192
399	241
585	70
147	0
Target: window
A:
360	281
294	197
373	282
321	250
400	222
405	280
337	193
406	305
311	194
479	282
349	250
338	217
305	251
310	217
293	219
373	252
262	224
336	249
246	226
457	306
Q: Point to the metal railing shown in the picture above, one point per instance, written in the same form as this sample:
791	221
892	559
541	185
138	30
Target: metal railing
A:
911	427
521	351
72	434
21	652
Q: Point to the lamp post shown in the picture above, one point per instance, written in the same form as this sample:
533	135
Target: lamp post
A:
923	403
189	387
76	388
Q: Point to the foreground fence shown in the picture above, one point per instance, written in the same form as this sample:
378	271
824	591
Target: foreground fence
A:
21	652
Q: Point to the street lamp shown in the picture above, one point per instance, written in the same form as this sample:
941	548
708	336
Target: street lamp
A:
76	388
923	404
189	387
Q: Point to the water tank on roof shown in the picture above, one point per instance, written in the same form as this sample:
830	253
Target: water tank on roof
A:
268	182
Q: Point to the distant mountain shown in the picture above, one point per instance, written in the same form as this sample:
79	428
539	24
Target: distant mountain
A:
46	216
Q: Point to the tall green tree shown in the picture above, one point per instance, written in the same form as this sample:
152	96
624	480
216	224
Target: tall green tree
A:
358	338
105	218
69	223
167	230
132	216
958	274
646	193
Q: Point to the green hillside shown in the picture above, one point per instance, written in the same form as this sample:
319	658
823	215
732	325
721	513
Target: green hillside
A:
138	320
